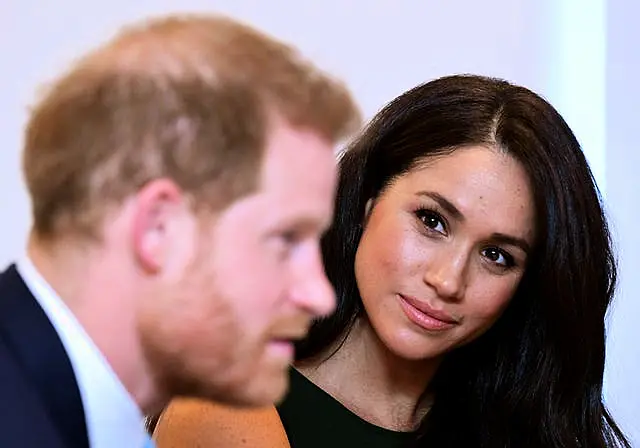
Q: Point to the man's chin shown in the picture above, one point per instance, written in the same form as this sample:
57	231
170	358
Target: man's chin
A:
260	391
257	386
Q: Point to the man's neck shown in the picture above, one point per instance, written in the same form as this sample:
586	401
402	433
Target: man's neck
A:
102	301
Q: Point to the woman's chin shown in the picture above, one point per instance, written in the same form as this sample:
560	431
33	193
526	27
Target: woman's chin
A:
412	348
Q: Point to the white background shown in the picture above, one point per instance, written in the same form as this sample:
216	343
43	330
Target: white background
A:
583	55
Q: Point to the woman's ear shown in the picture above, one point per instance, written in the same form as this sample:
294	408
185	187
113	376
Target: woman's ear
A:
367	212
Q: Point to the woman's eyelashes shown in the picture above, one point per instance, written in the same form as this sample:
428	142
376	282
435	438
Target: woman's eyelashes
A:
499	257
434	222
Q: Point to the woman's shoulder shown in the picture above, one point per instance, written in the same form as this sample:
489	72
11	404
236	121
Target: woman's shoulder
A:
192	422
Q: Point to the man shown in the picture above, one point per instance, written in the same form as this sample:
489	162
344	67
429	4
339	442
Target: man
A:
180	176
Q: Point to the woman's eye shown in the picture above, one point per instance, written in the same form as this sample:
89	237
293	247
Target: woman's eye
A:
498	256
432	220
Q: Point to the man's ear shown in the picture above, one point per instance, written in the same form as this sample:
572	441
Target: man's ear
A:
158	204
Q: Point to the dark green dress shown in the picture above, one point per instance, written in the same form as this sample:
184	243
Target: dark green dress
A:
312	418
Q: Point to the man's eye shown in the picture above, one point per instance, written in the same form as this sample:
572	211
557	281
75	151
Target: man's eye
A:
289	237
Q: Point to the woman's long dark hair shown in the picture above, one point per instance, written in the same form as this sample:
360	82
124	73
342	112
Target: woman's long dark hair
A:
535	378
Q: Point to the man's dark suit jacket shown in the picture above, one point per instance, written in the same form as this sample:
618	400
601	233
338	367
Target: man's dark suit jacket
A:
40	404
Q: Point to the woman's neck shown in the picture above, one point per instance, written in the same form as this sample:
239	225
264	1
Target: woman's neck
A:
372	382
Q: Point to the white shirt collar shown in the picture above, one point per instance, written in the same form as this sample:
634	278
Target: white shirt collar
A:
113	418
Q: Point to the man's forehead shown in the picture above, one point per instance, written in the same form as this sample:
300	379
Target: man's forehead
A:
296	204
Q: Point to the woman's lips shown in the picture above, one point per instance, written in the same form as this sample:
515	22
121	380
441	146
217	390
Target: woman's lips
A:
423	315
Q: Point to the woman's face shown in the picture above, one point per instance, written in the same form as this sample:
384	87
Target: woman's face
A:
443	250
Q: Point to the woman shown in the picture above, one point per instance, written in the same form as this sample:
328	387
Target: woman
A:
473	269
